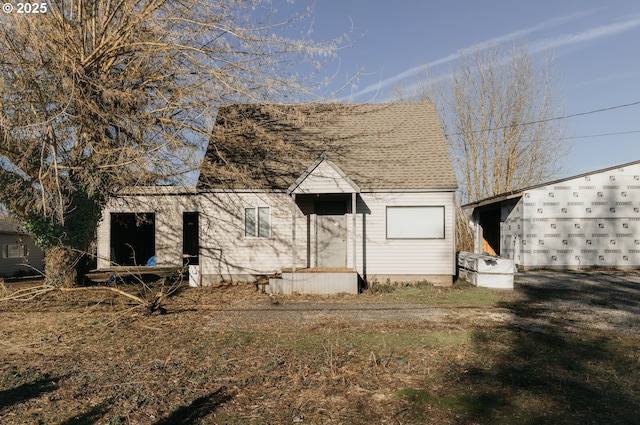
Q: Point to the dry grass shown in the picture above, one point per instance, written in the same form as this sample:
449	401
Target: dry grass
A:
234	356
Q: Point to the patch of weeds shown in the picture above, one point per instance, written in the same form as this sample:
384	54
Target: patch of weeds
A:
376	288
310	384
477	406
424	284
13	376
115	420
419	400
97	322
368	386
447	338
25	386
238	339
424	292
471	296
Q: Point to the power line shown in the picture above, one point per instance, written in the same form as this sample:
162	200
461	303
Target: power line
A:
582	137
626	105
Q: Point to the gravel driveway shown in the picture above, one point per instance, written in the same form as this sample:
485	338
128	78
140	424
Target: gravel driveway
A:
579	300
541	299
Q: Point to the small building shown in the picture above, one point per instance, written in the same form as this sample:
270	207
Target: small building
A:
592	219
20	255
302	190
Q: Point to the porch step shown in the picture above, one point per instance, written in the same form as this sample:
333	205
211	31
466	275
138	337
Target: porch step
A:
316	282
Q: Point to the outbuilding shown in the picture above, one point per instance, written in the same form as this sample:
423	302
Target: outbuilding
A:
588	220
20	255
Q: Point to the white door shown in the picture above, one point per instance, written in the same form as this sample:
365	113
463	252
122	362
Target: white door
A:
332	241
331	233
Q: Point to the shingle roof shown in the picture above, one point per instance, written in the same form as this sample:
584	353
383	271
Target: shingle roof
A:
11	228
379	146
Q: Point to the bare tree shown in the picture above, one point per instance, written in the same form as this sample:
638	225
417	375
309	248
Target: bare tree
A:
499	116
102	94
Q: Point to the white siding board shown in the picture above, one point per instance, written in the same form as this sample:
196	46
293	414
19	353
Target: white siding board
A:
168	220
324	179
226	253
404	256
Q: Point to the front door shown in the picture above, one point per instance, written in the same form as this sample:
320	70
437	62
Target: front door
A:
331	234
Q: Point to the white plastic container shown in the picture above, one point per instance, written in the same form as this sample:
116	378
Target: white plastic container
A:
194	276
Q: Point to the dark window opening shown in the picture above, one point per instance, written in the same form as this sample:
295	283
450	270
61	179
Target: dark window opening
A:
133	238
190	238
490	223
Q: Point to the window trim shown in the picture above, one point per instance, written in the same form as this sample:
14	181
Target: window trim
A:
256	216
442	228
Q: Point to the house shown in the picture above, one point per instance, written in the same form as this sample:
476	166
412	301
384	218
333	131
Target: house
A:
592	219
362	191
20	255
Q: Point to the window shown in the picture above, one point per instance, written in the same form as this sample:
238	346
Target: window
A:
415	222
14	251
257	222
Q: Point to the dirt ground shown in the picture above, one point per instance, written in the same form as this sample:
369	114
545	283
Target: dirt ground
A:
595	300
573	300
562	347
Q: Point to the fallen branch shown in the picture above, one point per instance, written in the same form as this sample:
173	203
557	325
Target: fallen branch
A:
105	288
26	294
29	294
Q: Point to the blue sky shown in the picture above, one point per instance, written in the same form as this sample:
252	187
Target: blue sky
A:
594	45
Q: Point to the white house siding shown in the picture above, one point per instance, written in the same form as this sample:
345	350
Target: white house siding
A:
168	211
226	253
403	259
324	179
586	221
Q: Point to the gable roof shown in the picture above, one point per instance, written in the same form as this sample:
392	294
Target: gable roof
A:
518	192
323	177
377	146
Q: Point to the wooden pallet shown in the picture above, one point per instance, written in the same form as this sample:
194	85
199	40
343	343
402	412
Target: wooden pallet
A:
101	275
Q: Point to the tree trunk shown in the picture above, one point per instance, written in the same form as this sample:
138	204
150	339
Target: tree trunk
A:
60	266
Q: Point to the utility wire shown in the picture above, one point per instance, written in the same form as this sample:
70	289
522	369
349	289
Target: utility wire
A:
581	137
549	119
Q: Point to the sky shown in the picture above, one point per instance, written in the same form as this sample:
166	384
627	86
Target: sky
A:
594	47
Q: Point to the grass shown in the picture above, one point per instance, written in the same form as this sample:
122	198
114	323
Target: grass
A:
460	294
214	359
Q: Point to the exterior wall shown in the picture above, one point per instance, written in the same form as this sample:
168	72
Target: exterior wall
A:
403	259
511	230
34	258
226	254
592	220
324	179
168	211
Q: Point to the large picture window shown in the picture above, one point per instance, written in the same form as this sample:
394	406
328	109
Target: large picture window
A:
415	222
257	222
